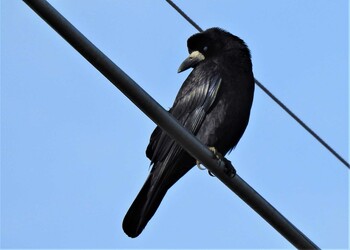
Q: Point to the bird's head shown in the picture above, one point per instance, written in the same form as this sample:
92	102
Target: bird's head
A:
209	43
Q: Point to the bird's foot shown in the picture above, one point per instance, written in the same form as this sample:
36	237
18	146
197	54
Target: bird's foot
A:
217	155
203	168
229	168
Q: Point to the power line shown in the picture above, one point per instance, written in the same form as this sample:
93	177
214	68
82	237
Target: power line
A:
223	170
306	127
273	97
184	15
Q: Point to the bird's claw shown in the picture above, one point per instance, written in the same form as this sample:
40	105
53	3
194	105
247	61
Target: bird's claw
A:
199	165
203	168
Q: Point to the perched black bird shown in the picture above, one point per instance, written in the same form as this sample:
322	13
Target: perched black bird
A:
213	103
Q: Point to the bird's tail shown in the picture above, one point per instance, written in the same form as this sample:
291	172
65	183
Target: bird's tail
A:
163	175
143	207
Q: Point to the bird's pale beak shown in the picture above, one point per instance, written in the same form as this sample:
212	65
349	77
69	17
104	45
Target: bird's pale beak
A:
194	58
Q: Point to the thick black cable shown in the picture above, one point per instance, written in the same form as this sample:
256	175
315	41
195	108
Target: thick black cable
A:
273	97
223	171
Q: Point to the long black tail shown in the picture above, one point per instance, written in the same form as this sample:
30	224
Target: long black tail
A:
143	208
163	175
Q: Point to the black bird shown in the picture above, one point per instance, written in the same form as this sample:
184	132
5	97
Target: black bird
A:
213	103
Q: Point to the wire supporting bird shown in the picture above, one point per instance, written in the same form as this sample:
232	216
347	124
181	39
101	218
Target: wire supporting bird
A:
213	103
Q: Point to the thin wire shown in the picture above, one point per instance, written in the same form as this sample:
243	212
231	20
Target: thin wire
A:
294	116
307	128
184	15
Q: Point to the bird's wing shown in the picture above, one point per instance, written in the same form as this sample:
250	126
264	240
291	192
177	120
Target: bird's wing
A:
170	162
192	103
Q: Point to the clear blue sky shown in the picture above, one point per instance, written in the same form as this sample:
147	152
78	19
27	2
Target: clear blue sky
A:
72	146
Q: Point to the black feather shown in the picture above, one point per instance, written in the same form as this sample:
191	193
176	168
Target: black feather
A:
213	103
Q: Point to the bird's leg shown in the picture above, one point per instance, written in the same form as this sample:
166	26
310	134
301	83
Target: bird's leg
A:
217	156
229	169
216	153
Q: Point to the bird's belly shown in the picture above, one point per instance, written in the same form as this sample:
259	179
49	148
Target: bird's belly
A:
223	126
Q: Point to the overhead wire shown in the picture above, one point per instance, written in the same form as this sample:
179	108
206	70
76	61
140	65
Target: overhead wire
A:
272	96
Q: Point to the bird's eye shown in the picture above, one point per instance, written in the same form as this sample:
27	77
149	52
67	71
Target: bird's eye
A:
205	48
